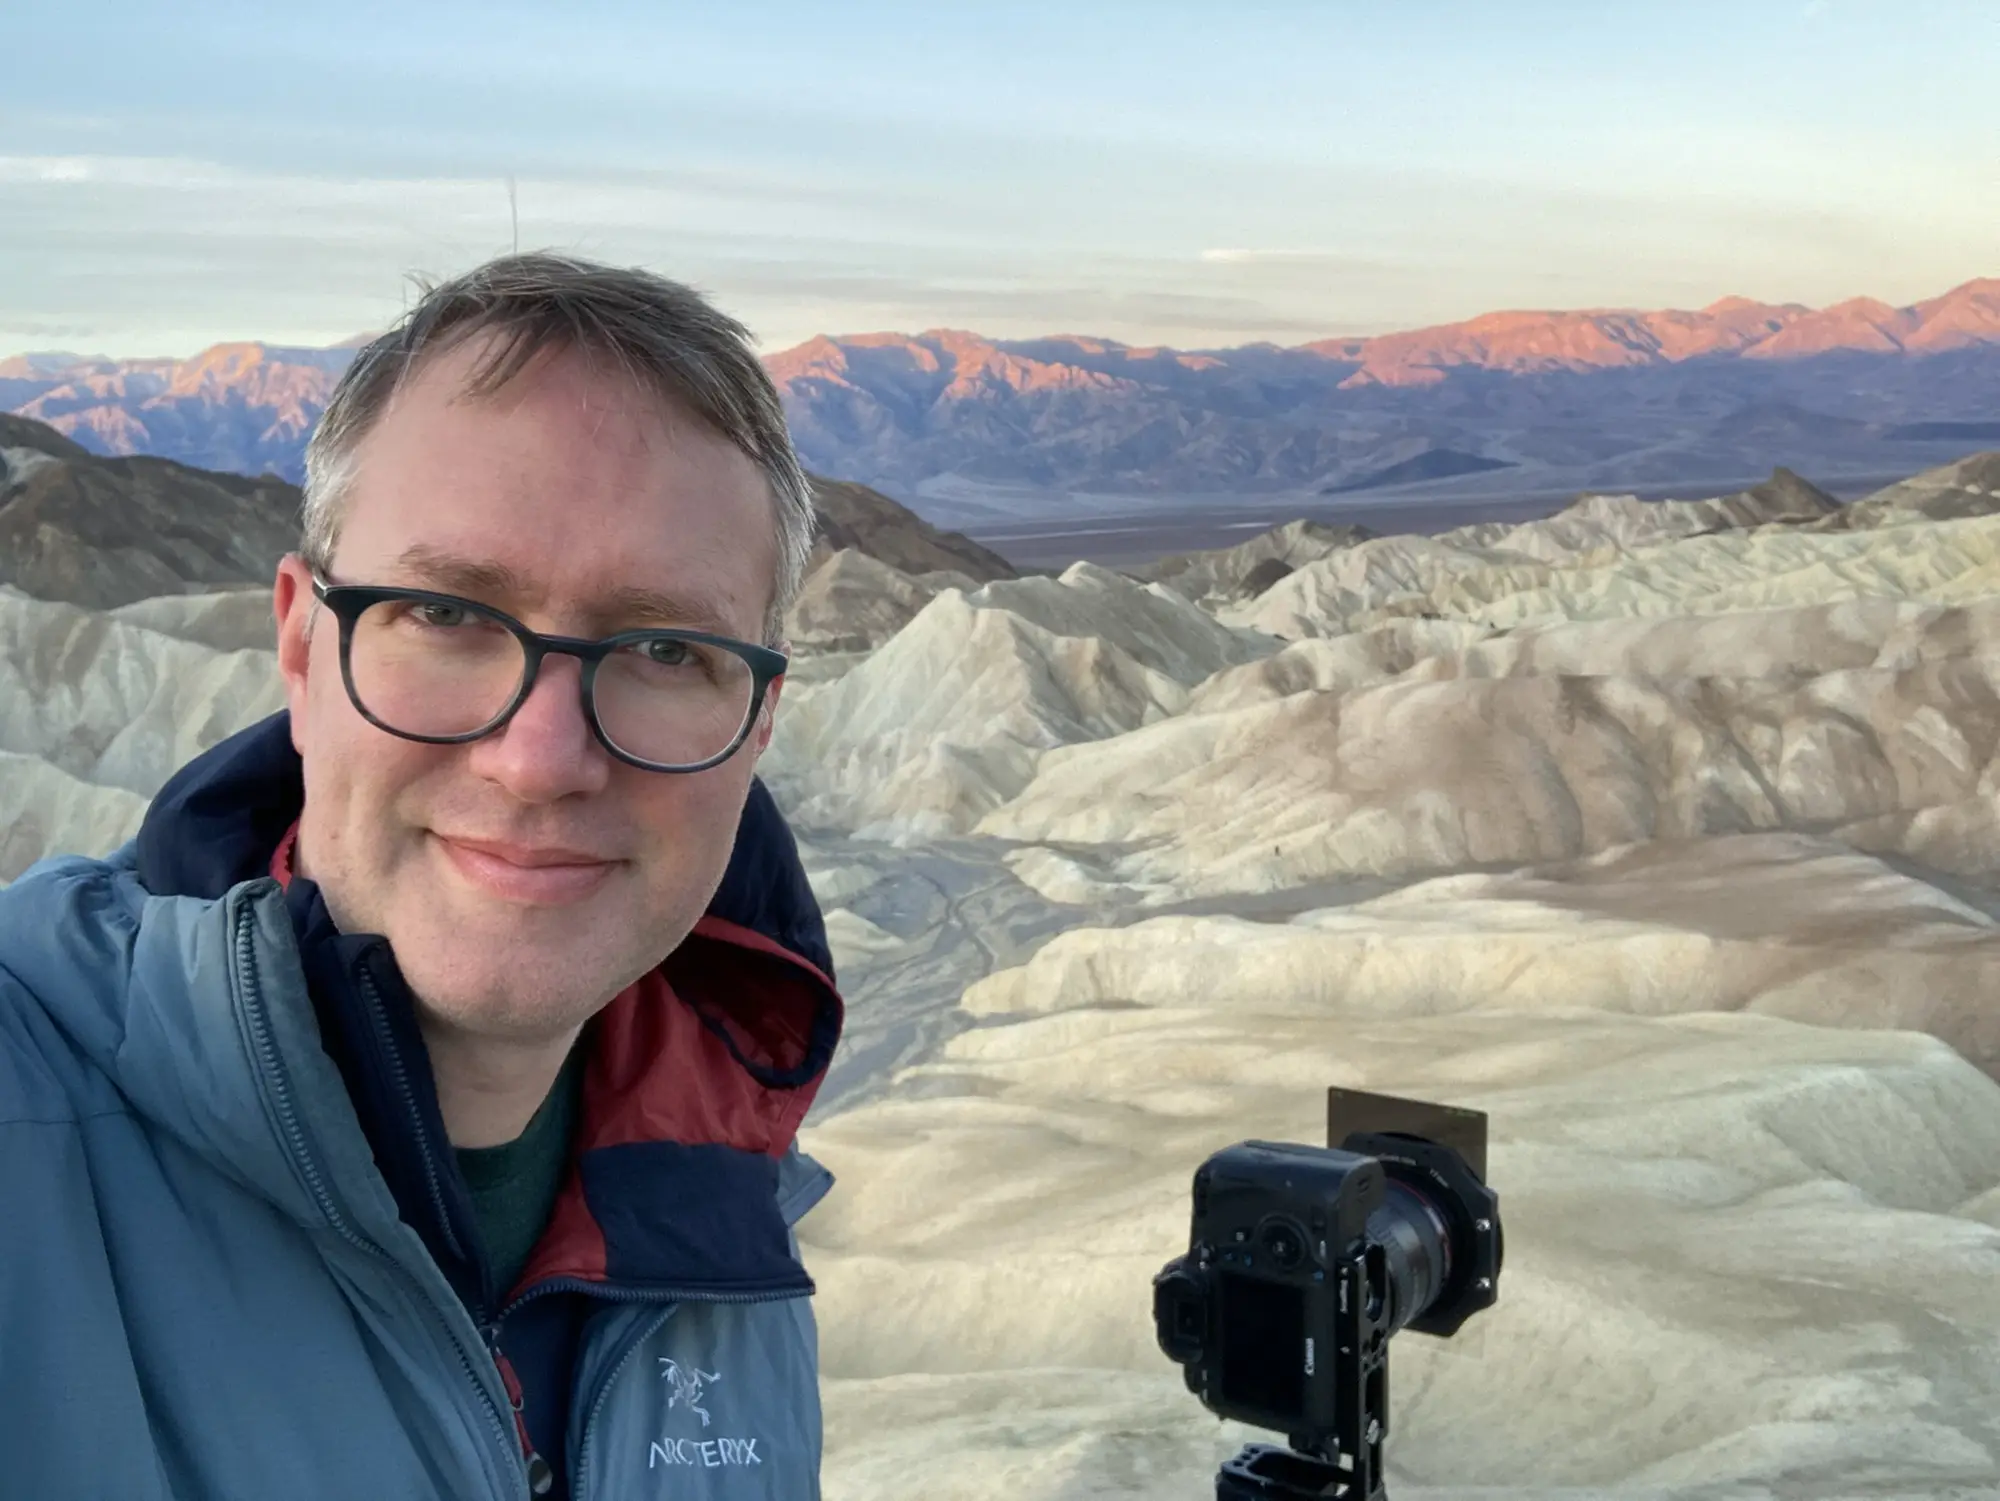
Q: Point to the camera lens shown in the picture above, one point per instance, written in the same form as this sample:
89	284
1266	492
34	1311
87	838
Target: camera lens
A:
1415	1246
1285	1243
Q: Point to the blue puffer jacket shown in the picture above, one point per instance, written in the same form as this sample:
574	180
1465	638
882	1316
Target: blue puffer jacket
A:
236	1255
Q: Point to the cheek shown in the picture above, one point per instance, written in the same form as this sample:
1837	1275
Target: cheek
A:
333	730
355	774
690	822
328	711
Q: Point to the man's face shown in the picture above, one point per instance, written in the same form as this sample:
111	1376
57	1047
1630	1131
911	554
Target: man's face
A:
578	485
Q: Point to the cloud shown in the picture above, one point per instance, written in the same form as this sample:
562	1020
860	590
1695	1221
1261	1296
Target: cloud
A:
177	173
164	254
1240	257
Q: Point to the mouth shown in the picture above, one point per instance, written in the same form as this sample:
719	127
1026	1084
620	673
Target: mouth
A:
532	876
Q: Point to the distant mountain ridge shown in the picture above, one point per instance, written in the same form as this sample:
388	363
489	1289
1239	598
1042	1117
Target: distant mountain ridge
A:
973	429
1528	342
1515	342
107	532
243	407
1542	401
103	532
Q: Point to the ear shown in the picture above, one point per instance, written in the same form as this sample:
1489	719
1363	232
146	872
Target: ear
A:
767	717
292	604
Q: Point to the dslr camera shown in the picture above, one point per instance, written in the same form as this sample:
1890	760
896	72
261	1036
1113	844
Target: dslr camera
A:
1302	1261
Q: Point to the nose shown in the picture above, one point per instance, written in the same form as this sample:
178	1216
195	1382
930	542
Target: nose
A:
546	751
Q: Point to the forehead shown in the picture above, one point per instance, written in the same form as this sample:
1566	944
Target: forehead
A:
573	489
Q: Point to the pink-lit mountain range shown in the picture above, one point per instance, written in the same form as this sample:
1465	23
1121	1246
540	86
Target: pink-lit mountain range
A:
980	429
1518	343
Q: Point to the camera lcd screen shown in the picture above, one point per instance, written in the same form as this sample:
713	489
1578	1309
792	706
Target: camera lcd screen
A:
1263	1344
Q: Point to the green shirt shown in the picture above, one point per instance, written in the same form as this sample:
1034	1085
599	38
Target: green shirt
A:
514	1185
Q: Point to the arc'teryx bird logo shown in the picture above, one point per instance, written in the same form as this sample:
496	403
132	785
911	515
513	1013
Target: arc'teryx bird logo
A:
709	1453
687	1382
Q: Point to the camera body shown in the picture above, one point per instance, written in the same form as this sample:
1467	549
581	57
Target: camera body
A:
1274	1285
1302	1262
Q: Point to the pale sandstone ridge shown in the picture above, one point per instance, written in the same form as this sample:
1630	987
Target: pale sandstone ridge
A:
1539	572
852	602
946	720
1788	925
117	703
44	810
226	620
1225	576
1970	487
1423	776
1595	522
99	710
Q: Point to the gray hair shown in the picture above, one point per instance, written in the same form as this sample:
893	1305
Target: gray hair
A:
664	337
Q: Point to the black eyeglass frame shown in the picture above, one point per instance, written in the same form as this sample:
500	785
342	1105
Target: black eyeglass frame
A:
348	601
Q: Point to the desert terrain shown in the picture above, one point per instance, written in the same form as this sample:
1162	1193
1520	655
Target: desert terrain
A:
1663	832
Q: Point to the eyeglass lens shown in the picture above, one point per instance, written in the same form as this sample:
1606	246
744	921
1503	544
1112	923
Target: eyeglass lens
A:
430	669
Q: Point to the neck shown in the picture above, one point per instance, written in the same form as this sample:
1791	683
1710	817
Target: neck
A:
488	1089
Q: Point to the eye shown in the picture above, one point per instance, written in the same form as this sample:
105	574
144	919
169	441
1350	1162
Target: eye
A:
440	616
664	651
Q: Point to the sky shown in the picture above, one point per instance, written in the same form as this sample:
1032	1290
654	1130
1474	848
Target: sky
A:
1193	174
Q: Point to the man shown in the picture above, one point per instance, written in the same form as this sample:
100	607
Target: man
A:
409	1109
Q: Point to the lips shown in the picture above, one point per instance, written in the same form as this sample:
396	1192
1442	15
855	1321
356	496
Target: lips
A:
533	876
530	856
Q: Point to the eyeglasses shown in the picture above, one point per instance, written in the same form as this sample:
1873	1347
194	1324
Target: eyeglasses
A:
443	670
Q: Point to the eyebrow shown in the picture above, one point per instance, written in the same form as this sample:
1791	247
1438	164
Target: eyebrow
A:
494	582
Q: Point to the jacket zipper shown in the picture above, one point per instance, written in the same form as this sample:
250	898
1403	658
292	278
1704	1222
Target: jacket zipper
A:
295	1139
380	1026
540	1477
579	1463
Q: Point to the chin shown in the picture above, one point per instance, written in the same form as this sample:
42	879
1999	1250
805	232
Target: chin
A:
514	968
509	1002
484	962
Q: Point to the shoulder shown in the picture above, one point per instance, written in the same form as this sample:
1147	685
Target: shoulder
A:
70	890
103	984
64	928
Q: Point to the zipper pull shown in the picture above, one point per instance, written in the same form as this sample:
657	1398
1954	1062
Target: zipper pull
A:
541	1474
